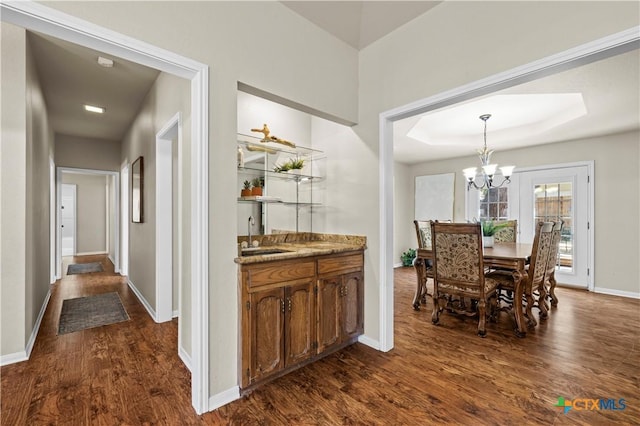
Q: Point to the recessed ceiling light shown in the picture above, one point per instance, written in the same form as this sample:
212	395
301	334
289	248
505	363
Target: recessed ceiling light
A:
105	62
95	109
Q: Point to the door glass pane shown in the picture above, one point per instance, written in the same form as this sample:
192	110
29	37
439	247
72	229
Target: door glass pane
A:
553	202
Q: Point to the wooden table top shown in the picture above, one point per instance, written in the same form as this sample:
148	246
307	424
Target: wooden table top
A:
498	251
509	251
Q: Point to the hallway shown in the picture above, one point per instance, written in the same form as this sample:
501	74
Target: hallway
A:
124	373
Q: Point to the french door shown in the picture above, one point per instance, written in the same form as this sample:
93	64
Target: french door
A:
554	194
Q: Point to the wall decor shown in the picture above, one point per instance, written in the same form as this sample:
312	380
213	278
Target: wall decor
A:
434	197
137	190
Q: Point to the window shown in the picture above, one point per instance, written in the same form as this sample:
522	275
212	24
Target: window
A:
494	204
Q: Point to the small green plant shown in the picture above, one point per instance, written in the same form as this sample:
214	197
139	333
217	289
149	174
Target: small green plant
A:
292	164
257	183
408	256
489	228
247	184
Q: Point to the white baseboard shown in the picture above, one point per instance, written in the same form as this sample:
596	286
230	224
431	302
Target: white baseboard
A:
90	253
36	328
184	356
372	343
397	265
13	358
224	397
142	300
24	355
175	314
614	292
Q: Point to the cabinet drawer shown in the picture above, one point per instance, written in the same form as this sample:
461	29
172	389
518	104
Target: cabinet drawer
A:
344	263
280	272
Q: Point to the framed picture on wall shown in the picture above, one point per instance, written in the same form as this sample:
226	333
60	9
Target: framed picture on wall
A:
137	190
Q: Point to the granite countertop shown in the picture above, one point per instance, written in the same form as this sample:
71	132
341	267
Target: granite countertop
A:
296	245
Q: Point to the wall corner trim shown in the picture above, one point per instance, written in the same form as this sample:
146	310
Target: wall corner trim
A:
372	343
142	300
34	332
24	355
185	357
224	397
13	358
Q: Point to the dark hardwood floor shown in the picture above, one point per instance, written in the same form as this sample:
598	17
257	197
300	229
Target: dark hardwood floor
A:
129	373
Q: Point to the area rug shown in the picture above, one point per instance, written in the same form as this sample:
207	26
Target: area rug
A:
84	268
90	312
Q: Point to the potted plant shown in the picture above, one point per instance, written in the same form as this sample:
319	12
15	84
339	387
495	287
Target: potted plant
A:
407	257
292	164
489	228
257	183
246	190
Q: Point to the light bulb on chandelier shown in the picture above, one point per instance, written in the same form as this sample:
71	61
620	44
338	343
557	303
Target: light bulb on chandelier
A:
488	170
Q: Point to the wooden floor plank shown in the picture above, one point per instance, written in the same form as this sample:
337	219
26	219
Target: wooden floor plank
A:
130	373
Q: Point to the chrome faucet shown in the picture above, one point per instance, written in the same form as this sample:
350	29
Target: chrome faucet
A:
249	225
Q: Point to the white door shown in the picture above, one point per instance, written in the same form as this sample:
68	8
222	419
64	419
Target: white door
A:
68	219
559	194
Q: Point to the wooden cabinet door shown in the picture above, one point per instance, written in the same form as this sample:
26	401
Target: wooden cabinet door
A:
328	311
300	322
267	333
352	317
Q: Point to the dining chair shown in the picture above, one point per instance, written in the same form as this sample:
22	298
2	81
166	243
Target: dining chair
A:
459	273
536	270
424	267
548	287
509	233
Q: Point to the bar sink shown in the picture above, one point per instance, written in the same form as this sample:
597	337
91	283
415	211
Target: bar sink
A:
260	251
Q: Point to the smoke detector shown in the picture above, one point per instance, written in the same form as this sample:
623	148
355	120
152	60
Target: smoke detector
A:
105	62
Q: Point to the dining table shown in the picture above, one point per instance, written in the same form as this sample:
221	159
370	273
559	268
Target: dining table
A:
505	256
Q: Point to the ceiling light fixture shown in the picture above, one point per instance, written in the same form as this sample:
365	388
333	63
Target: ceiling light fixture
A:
488	170
91	108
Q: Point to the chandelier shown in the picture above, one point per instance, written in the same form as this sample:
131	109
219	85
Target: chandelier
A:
488	170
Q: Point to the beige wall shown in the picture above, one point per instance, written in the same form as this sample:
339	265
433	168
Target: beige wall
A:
13	175
404	235
91	212
39	152
168	96
616	184
24	178
87	153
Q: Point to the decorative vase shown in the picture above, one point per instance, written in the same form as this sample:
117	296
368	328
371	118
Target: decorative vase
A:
487	241
240	158
256	190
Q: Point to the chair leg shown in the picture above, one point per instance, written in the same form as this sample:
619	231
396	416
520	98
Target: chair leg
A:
437	308
542	302
493	308
482	311
421	283
552	290
528	312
